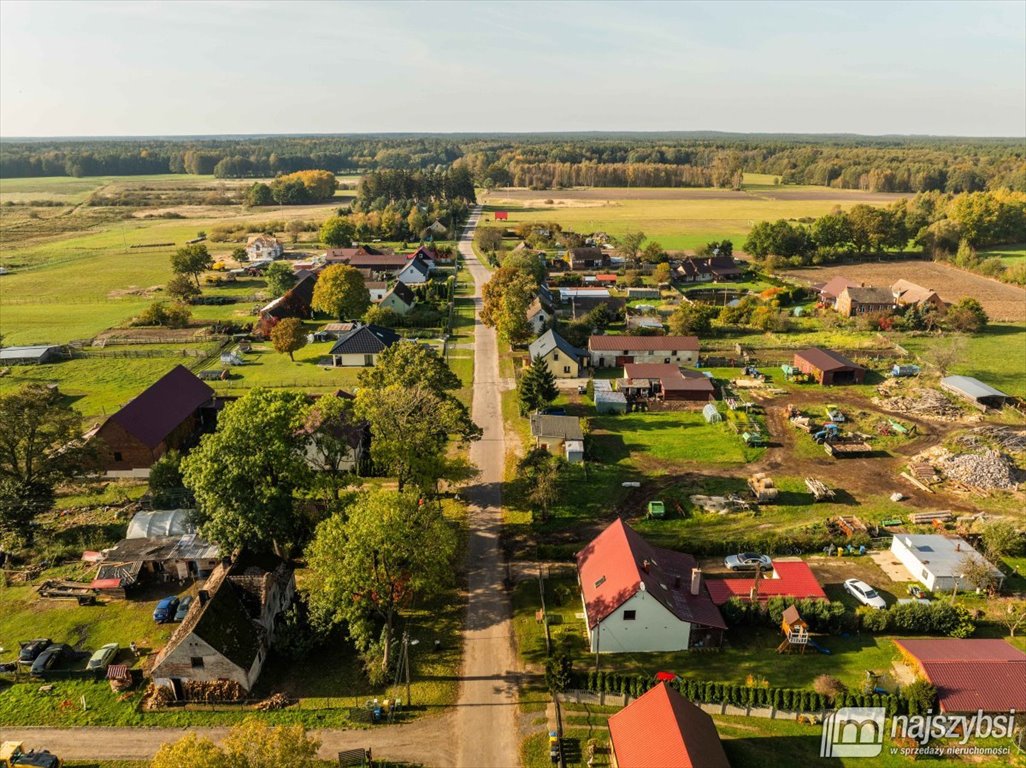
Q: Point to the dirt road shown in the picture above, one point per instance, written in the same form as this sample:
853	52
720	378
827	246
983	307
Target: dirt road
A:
486	712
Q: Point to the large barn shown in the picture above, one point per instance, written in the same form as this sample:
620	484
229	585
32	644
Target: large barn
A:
829	367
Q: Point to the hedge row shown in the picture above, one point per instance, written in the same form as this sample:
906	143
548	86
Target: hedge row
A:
790	699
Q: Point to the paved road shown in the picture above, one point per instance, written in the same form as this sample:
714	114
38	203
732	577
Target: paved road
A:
486	729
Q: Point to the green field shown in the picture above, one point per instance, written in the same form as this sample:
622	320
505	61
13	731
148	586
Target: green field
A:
704	216
1009	254
996	356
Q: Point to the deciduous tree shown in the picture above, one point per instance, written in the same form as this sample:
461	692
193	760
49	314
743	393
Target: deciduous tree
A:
341	292
288	336
40	447
331	424
191	750
629	244
246	473
505	299
367	566
192	260
691	319
181	288
337	232
279	278
967	316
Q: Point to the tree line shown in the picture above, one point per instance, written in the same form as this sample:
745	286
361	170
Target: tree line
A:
944	226
876	164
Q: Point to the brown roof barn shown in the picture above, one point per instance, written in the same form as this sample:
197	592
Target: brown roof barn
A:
164	416
829	367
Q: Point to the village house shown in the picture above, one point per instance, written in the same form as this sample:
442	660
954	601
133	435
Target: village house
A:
160	545
662	728
361	346
562	358
228	631
374	263
938	562
617	351
643	293
264	247
559	435
703	269
377	289
638	597
970	675
789	578
575	303
829	292
581	259
983	396
908	294
864	300
169	414
828	367
666	381
538	317
416	272
354	436
399	299
295	302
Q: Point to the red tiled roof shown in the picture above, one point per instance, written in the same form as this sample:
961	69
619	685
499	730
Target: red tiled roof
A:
789	579
163	406
612	570
643	343
606	278
663	729
971	675
826	360
836	285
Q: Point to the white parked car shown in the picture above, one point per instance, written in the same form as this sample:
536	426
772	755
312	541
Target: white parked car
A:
864	593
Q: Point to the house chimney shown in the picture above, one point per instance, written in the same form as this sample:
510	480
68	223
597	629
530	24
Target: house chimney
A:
644	565
696	581
958	546
204	596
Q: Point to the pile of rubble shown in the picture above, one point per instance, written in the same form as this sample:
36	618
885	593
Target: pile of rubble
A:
1008	439
895	396
987	470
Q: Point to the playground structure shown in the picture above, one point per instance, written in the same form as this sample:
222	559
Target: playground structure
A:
796	632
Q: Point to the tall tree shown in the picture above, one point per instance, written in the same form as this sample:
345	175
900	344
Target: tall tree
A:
537	387
192	750
368	566
337	232
288	336
255	744
629	244
40	447
408	364
340	292
505	299
411	429
332	426
245	474
192	260
691	319
181	288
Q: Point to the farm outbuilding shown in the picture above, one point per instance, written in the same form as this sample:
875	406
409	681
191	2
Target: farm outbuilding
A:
975	391
829	367
937	561
608	401
38	354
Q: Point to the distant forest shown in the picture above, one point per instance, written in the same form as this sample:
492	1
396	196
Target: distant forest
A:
546	161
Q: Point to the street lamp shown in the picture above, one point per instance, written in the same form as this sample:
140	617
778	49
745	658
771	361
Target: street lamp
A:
407	642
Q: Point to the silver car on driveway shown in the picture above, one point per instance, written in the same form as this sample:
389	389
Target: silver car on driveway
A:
748	561
864	593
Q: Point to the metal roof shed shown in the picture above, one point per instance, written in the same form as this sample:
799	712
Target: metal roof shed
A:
975	391
607	401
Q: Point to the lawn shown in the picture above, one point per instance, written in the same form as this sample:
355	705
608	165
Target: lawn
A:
1009	254
997	356
666	436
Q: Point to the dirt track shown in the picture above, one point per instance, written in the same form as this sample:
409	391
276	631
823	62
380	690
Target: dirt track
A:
1003	302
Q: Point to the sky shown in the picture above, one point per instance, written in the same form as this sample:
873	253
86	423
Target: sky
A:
216	67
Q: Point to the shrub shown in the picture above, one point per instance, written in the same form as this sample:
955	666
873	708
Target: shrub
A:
164	314
829	686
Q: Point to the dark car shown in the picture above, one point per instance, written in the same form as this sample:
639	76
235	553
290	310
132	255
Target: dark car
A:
183	608
165	610
557	410
48	658
32	649
37	759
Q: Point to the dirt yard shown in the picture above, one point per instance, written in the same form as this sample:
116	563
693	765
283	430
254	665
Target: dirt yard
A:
1003	302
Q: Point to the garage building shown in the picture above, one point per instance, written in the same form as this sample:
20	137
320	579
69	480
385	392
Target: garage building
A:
829	367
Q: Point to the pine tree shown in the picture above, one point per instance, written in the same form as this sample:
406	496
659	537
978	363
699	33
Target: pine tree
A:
537	387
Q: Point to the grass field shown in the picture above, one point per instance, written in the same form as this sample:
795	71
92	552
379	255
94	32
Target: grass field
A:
996	356
1009	254
677	219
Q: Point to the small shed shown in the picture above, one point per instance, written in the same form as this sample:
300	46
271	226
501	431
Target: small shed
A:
37	354
981	395
574	450
608	401
711	413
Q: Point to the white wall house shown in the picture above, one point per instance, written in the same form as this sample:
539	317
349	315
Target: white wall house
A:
617	351
639	598
263	247
938	562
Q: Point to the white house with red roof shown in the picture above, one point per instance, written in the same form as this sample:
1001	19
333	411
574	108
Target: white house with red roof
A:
662	728
638	597
617	351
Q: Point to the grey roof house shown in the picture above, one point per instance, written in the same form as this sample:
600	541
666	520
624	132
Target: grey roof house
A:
362	345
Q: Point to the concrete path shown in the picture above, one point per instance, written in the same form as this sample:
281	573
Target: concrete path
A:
486	731
482	731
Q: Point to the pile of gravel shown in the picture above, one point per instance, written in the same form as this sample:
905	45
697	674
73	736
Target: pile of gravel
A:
987	470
